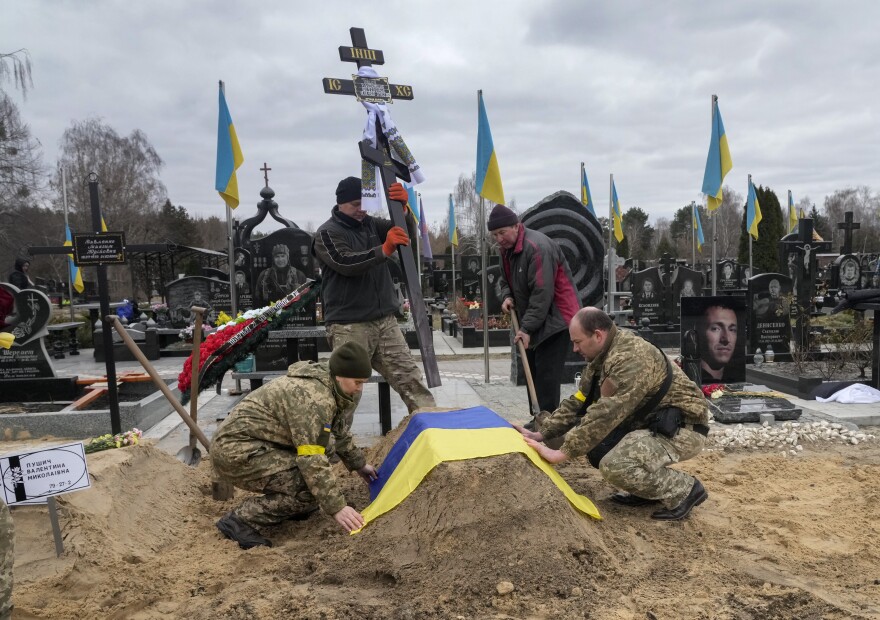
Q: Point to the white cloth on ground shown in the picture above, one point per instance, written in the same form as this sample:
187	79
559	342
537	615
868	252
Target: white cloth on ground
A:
857	393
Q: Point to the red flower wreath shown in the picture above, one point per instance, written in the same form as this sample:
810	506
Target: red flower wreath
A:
212	343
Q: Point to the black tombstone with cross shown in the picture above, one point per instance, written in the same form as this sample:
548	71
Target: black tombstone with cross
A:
846	271
378	90
798	257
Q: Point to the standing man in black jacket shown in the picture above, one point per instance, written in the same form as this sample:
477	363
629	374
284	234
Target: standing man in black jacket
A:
358	296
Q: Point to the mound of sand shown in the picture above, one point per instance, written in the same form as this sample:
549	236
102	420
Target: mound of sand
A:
489	538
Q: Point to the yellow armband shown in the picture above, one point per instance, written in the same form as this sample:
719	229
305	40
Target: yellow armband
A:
309	450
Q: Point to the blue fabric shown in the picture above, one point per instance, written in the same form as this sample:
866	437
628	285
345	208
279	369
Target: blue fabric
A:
463	419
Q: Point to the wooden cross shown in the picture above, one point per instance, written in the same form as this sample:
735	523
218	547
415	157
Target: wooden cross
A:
379	90
266	170
848	226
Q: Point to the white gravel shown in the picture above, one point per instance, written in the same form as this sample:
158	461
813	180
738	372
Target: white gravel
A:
788	437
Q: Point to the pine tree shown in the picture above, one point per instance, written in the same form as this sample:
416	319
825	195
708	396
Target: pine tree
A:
771	229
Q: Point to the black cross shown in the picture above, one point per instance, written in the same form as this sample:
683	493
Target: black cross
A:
104	299
848	226
266	170
666	264
391	170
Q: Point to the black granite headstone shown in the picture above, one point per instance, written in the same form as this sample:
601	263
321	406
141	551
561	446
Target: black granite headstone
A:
208	293
27	318
728	275
770	312
244	291
686	283
647	300
846	273
716	326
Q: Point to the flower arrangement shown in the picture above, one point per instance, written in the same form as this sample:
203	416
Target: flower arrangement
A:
186	334
108	441
234	340
223	318
473	305
159	307
717	390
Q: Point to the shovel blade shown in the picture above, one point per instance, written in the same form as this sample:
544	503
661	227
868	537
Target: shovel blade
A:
190	455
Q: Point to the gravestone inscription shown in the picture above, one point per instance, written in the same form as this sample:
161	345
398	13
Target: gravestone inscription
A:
647	300
770	312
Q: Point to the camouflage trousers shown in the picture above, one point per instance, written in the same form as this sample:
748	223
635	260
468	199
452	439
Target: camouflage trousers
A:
285	496
639	464
7	557
389	356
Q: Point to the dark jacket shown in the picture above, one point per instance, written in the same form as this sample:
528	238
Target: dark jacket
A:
356	282
18	277
537	277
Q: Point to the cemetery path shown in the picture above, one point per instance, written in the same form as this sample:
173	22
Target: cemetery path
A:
779	537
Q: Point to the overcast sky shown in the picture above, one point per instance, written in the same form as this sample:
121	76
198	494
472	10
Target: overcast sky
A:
623	86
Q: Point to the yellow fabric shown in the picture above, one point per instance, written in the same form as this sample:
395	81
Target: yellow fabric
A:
309	450
580	396
436	445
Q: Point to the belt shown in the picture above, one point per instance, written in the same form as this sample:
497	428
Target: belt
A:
702	429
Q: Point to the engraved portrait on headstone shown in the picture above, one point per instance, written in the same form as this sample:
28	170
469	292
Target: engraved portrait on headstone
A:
647	301
770	295
727	275
279	278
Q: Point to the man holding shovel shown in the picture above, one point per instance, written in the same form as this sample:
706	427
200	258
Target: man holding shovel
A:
536	284
274	442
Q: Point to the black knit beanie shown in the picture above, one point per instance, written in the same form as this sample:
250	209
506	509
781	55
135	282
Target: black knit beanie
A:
348	190
500	217
351	361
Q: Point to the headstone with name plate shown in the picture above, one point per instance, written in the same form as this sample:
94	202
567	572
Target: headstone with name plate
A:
189	291
770	312
25	314
728	275
686	282
647	299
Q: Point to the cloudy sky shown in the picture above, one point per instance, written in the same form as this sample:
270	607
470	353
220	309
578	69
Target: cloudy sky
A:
623	86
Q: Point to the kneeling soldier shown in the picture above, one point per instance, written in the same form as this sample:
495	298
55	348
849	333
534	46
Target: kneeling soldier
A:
274	442
633	416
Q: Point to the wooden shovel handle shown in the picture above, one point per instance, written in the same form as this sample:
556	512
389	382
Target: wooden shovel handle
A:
158	380
533	399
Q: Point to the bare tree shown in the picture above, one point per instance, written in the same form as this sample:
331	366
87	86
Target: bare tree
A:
131	192
727	225
17	65
22	172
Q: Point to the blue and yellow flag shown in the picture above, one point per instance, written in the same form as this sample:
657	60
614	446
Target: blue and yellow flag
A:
75	273
698	226
229	157
413	201
427	252
718	162
616	214
432	438
103	224
488	172
453	227
586	198
753	216
792	214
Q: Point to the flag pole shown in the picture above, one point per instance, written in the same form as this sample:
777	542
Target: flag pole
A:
230	246
612	284
748	232
694	217
485	280
714	217
66	228
452	247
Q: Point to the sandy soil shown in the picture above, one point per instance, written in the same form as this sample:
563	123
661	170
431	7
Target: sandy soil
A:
778	538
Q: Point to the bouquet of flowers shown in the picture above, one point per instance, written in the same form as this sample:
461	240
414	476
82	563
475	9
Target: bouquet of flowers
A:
717	390
108	441
159	307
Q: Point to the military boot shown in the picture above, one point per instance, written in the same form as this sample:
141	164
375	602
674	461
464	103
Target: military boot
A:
235	529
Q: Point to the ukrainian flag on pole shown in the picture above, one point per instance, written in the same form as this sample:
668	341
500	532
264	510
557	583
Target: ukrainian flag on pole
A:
718	162
586	198
229	157
753	216
75	273
488	172
616	214
453	227
698	226
413	202
792	214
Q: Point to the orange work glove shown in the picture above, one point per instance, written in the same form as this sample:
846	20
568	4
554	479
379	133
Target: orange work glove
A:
398	192
396	236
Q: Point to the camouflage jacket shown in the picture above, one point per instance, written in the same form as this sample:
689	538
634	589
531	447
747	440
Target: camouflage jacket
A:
638	369
287	423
